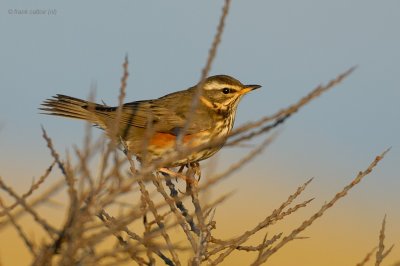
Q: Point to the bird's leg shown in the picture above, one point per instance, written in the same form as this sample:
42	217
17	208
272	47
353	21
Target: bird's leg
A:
197	170
193	169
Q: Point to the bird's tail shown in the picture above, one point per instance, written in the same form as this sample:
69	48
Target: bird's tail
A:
66	106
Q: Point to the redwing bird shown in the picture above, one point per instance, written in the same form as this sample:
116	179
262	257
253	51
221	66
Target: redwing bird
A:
213	118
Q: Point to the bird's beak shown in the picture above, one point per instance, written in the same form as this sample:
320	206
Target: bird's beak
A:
248	88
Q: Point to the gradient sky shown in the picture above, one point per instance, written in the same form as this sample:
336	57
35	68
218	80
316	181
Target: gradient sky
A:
288	47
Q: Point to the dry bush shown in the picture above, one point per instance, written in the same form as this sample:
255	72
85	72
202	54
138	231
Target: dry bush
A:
111	196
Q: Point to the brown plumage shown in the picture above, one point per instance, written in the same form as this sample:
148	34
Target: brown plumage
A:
167	115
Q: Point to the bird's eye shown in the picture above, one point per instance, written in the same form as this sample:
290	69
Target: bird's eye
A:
226	90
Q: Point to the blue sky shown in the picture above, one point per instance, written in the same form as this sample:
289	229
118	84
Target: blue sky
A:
288	47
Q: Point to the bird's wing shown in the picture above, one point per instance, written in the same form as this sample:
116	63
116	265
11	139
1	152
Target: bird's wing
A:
163	116
172	119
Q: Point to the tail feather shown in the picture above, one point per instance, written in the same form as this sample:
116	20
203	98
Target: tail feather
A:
67	106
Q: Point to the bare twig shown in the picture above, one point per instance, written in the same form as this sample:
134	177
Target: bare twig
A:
149	202
204	73
381	253
111	223
122	93
47	227
181	207
33	187
181	217
280	116
264	257
43	198
234	243
367	257
235	166
19	229
261	246
68	178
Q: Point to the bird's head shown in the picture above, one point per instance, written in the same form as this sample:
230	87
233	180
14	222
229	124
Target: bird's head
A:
223	92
